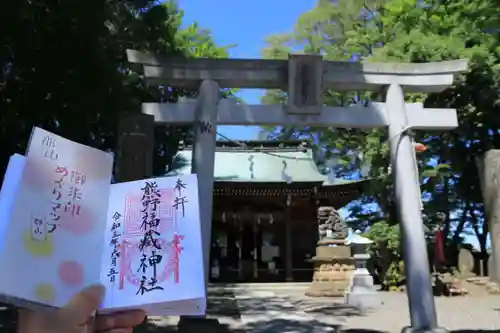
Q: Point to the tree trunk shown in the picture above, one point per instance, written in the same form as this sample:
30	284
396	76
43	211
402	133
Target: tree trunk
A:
461	223
489	176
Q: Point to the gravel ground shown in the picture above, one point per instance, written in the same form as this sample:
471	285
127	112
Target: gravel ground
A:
261	310
456	314
462	313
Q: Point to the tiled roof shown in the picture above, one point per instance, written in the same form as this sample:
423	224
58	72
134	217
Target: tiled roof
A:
260	166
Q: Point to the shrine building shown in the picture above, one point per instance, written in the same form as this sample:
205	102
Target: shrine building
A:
266	196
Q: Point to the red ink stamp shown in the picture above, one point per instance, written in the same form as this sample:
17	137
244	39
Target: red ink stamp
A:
133	214
166	260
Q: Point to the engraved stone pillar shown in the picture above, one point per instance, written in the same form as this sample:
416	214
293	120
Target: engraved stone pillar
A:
489	176
135	147
333	263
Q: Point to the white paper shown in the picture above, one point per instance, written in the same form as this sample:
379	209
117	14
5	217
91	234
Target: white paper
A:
12	178
55	230
169	266
183	293
11	181
194	307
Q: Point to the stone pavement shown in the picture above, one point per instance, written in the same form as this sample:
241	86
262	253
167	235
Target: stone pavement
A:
261	308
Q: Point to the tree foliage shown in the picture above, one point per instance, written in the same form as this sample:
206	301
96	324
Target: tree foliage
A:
386	249
409	31
63	67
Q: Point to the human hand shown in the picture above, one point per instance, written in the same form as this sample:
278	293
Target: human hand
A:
77	317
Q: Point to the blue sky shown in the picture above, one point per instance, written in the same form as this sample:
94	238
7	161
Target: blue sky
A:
247	24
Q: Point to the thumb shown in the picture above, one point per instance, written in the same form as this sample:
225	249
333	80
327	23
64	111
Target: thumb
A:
82	306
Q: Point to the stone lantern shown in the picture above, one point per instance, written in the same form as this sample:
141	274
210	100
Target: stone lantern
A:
361	292
360	250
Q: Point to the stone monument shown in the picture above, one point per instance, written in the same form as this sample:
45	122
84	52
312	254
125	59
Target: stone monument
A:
491	267
466	263
361	293
333	263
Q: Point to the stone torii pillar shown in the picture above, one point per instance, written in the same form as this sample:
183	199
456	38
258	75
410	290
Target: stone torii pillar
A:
305	77
203	160
407	193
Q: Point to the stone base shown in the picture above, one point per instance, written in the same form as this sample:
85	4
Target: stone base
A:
333	268
361	293
332	248
327	289
361	278
363	300
409	329
331	279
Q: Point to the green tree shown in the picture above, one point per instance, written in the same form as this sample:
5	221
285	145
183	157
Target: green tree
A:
63	67
386	254
327	29
416	31
410	31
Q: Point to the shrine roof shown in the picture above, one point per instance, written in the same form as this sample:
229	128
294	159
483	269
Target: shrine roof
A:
261	162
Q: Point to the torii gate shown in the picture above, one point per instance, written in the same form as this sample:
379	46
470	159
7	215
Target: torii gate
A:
305	77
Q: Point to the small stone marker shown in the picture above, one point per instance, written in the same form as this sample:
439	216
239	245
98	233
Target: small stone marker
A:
466	263
491	268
